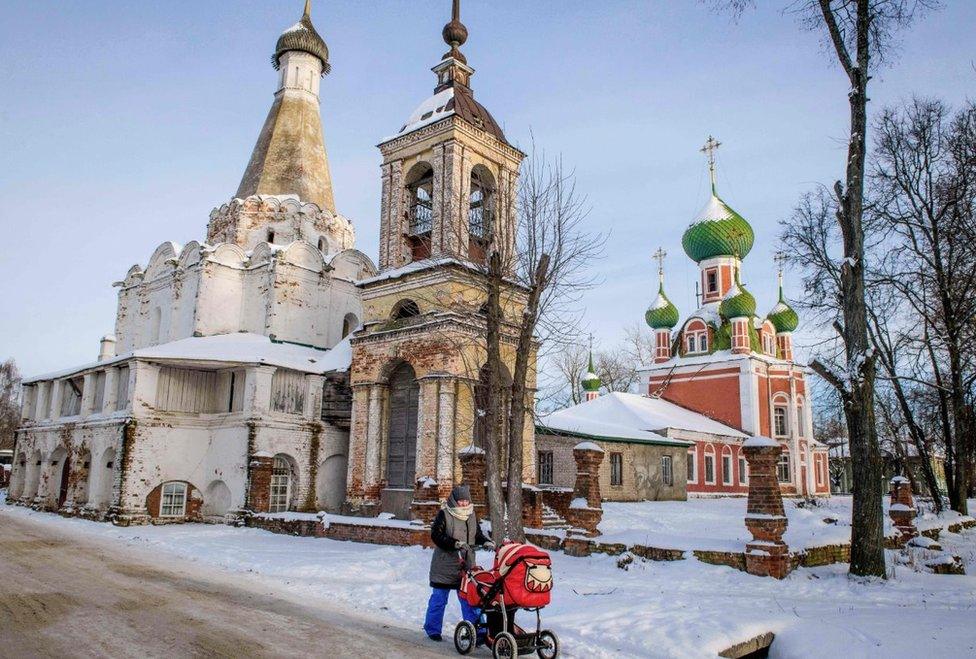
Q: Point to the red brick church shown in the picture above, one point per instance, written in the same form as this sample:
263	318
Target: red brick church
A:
732	365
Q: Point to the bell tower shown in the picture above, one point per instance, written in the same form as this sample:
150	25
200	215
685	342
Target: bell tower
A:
449	173
417	374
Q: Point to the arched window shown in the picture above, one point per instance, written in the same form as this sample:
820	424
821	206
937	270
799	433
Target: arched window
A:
480	216
420	209
726	466
323	244
696	338
781	417
709	465
172	500
349	324
405	309
282	476
800	419
783	467
401	454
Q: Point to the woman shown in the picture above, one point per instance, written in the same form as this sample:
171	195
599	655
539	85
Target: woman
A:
454	529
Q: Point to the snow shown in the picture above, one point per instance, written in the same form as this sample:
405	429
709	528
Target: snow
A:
632	417
734	290
714	210
654	609
237	348
659	303
471	448
709	313
415	266
431	110
900	507
427	481
578	503
759	442
588	446
590	375
899	479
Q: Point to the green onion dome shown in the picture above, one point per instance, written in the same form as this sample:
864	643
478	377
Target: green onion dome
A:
717	231
302	36
782	316
591	381
738	302
662	314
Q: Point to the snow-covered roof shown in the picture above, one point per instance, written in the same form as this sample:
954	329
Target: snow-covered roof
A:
237	348
433	109
632	417
413	266
709	313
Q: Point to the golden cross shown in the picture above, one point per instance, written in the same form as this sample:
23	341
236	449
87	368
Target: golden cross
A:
711	144
659	257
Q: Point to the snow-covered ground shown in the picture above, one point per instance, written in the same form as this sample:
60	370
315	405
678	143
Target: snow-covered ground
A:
716	524
676	609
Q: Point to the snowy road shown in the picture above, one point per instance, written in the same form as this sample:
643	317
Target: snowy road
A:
61	596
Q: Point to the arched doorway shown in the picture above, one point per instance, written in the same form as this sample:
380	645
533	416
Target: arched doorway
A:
58	483
82	466
330	484
216	500
284	484
101	497
401	454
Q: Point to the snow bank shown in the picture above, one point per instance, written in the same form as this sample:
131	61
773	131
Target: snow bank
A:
760	441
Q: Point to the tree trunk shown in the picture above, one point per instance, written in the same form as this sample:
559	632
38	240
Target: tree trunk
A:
518	405
496	498
867	522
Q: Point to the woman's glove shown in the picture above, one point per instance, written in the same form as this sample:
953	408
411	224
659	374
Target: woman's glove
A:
461	545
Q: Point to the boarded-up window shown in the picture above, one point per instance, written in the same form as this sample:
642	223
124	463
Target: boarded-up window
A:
186	390
122	388
71	396
288	391
98	398
235	390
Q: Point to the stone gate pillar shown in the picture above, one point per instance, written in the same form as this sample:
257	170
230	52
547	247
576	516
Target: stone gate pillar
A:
586	509
766	555
473	471
902	508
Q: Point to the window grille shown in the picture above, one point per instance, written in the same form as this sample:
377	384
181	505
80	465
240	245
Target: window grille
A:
667	470
545	468
173	500
616	469
421	213
280	486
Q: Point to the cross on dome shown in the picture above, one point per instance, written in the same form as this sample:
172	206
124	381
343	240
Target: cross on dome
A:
711	145
659	257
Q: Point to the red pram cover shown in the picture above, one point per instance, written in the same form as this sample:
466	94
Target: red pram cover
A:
526	574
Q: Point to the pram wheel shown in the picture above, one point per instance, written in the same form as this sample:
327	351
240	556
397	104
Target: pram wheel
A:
547	645
504	646
465	637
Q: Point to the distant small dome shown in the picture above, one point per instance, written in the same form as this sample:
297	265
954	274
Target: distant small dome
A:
717	231
738	302
662	314
303	37
591	381
782	316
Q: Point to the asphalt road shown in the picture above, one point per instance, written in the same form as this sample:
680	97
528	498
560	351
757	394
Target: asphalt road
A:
61	597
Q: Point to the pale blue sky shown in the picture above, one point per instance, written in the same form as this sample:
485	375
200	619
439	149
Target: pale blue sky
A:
122	124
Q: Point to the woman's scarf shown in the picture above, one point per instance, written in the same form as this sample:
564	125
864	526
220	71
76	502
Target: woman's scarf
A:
461	513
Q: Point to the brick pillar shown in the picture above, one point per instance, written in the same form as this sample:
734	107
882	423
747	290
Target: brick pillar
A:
473	471
586	510
766	555
259	482
902	508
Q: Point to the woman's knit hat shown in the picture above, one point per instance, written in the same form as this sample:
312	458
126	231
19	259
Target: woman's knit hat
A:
461	493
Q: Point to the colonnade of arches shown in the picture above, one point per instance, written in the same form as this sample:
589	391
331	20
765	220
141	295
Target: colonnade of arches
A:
58	477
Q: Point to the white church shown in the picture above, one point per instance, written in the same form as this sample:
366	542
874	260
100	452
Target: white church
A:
224	385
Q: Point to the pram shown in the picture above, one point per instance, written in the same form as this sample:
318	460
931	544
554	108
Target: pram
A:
521	578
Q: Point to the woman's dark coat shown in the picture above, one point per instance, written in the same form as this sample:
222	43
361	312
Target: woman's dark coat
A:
446	532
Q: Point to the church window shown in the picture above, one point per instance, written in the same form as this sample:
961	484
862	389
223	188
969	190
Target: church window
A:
479	212
781	424
281	477
697	341
726	466
783	467
711	281
422	206
405	309
692	467
800	422
323	246
667	470
710	469
743	471
692	343
616	469
769	344
545	468
349	324
172	502
270	237
71	390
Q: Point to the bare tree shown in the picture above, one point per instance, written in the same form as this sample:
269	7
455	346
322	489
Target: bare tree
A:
924	181
570	361
638	345
10	390
859	33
